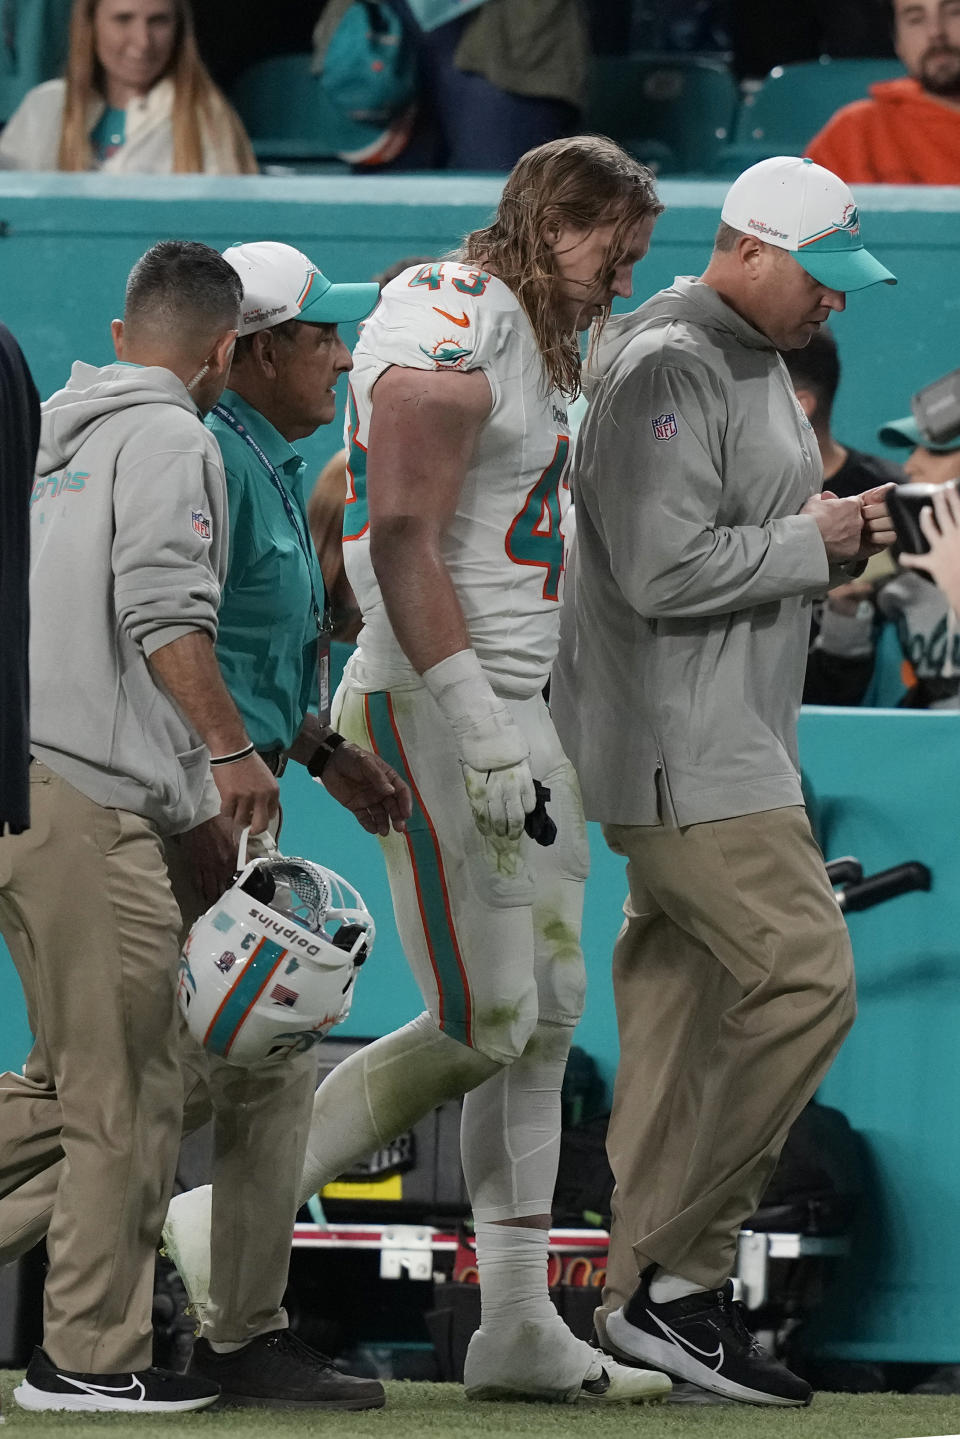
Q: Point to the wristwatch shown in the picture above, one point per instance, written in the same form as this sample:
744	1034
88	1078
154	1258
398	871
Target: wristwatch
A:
321	756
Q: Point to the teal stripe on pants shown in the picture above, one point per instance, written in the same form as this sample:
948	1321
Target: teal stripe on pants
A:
454	993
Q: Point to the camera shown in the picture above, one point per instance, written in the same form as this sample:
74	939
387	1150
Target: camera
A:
905	503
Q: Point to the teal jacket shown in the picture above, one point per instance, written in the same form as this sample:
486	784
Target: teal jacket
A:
267	639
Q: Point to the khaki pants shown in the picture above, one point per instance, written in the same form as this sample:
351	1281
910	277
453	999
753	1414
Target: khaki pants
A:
262	1120
261	1123
733	981
88	914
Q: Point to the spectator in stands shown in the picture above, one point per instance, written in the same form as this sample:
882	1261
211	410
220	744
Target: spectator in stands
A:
941	525
495	83
840	663
136	98
815	372
908	599
925	624
908	131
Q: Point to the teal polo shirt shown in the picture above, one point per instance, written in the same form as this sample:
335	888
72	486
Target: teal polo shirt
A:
267	639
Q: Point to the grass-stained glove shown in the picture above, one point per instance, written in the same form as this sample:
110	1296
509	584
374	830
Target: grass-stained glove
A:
493	753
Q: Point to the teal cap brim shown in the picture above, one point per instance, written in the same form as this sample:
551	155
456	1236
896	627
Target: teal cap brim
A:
845	269
906	434
338	304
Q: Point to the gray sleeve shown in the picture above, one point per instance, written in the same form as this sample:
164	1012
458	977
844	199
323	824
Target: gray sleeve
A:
658	501
168	511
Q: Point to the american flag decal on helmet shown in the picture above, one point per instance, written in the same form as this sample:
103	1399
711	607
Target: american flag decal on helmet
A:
281	995
665	426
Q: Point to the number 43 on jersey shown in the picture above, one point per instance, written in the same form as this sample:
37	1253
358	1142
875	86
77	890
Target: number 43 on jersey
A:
534	537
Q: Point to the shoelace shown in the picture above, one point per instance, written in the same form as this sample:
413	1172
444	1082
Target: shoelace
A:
735	1310
286	1343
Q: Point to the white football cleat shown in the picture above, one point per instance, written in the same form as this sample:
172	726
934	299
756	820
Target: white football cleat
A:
541	1359
186	1242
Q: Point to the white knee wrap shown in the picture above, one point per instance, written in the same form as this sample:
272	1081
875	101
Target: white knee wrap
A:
510	1136
382	1090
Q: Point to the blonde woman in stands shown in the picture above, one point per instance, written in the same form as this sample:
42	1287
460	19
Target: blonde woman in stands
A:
136	98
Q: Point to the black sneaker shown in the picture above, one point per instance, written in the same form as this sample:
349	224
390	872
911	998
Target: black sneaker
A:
279	1371
704	1339
146	1391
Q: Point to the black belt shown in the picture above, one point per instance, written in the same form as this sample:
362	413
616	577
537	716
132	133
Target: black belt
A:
274	759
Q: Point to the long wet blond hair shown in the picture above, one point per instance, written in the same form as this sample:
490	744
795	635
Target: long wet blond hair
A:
581	182
197	100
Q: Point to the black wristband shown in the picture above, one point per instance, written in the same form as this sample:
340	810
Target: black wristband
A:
319	759
232	758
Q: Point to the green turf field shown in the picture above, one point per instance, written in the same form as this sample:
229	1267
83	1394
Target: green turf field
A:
417	1410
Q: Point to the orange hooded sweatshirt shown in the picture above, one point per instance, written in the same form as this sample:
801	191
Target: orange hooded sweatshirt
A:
900	136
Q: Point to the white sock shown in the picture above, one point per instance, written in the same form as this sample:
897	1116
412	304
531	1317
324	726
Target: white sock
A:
664	1287
512	1261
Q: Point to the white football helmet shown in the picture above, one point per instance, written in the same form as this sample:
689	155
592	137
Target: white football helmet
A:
270	967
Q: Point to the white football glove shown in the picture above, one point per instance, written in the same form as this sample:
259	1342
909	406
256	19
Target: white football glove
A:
494	755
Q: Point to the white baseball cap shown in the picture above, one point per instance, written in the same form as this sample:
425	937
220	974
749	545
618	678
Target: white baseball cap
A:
803	208
281	283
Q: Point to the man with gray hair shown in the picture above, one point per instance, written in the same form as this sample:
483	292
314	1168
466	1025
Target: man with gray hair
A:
128	554
288	360
702	539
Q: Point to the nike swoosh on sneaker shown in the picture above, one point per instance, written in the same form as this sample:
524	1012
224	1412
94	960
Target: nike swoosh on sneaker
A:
463	320
134	1390
703	1354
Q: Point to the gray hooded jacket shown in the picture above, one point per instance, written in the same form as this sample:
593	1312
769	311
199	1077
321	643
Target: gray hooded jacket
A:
686	614
129	536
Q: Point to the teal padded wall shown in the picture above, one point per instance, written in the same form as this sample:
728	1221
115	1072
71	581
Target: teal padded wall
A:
884	789
886	784
67	242
875	779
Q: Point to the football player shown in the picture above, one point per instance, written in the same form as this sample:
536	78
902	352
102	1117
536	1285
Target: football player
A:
458	439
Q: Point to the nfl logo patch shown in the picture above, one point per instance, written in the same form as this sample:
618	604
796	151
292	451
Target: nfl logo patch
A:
201	524
665	427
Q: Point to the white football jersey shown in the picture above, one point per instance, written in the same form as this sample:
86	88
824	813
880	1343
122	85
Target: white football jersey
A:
504	548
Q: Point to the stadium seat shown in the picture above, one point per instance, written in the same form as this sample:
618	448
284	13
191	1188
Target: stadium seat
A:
673	112
33	47
794	102
288	117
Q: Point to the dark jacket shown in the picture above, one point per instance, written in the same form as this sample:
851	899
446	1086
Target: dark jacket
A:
20	430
